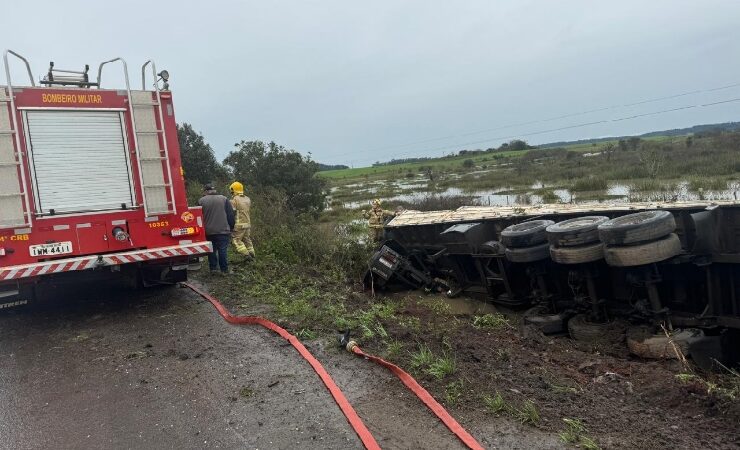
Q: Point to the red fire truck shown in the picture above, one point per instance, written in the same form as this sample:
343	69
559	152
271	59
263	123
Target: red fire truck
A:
91	181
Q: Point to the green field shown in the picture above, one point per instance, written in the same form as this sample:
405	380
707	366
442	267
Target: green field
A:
658	168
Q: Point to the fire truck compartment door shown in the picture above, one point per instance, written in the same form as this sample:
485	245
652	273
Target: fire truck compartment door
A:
79	161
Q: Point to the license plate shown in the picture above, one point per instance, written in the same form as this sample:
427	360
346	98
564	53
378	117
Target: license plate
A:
57	248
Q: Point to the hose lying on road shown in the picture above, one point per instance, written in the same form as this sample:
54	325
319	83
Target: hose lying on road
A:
354	420
423	395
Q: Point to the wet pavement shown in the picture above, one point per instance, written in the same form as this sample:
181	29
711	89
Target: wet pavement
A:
155	369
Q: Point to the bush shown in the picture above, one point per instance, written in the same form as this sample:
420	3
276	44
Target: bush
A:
468	163
590	184
292	238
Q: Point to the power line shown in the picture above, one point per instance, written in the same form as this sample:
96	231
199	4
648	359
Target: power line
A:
578	125
549	119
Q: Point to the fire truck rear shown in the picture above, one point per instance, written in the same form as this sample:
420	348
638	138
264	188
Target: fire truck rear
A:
91	181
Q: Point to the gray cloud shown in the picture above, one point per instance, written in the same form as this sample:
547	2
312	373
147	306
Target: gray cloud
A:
344	79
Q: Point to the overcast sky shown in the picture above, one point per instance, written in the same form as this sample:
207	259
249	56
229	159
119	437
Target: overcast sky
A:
355	82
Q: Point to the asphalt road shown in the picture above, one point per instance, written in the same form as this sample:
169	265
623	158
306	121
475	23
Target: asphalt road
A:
154	369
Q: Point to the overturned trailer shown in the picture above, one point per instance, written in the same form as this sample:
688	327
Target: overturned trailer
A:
660	269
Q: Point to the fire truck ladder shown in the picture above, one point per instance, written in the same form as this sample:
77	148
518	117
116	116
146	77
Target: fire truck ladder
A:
155	175
15	208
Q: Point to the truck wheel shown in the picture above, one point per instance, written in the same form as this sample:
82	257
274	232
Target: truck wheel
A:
577	255
581	329
547	322
639	227
528	254
575	232
644	343
525	234
641	254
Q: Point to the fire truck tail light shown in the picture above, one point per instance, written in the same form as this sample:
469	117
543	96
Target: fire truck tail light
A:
185	231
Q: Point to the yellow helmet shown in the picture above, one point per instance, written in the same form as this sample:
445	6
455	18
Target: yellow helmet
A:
236	188
376	202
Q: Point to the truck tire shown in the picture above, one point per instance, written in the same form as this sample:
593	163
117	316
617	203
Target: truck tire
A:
641	254
525	234
644	343
547	322
577	255
638	227
528	254
581	329
575	232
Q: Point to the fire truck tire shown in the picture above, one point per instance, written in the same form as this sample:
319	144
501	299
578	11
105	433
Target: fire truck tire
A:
638	227
577	255
528	254
576	231
642	342
641	254
547	322
581	329
525	234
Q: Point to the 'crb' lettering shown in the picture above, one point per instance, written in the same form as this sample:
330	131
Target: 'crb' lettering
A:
72	98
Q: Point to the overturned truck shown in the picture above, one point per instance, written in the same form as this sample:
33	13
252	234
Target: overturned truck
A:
663	276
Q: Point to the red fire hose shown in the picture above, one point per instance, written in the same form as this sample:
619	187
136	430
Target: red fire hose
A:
423	395
354	420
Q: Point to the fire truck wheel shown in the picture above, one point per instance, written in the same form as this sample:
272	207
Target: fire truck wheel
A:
525	234
575	232
644	343
638	227
528	254
641	254
547	322
577	255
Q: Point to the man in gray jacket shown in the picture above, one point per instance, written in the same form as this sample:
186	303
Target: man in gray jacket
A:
218	215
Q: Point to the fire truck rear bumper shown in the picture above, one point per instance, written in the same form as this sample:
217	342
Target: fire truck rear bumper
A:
97	261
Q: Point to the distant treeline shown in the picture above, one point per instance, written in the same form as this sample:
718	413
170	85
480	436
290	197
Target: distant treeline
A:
323	167
699	130
514	145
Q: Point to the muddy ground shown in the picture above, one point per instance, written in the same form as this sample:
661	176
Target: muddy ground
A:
104	368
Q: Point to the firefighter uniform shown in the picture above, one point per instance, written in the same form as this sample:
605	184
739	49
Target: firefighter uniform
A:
240	237
376	218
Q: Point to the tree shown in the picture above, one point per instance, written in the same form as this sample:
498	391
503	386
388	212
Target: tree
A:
518	144
265	167
622	145
633	143
653	160
198	160
608	149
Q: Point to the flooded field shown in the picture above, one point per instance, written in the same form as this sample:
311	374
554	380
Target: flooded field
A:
409	192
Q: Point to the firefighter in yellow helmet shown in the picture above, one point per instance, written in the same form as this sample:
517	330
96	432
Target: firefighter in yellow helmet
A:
240	236
376	218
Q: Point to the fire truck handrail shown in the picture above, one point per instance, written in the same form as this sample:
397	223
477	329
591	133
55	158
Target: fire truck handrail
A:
7	67
125	70
14	117
161	123
143	74
131	113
